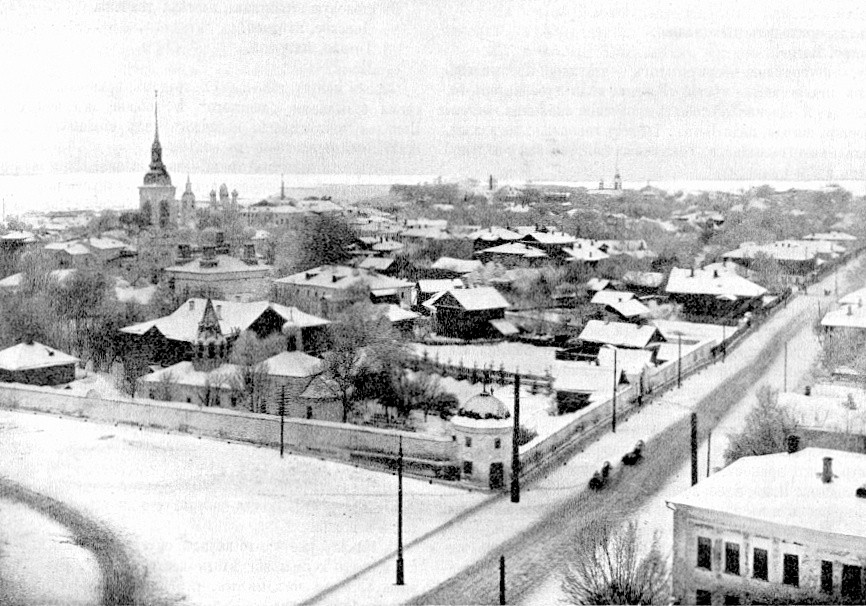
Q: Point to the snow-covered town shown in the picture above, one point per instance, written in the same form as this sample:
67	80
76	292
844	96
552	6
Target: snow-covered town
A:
231	384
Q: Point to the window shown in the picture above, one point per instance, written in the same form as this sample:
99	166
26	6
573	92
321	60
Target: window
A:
852	583
497	443
703	597
732	599
791	570
467	468
705	551
759	564
468	442
732	558
234	401
309	412
826	576
189	400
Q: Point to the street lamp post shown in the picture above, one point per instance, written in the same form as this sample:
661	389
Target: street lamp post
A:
679	360
400	513
515	449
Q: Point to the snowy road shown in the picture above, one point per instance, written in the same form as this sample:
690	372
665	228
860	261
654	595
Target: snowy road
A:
535	552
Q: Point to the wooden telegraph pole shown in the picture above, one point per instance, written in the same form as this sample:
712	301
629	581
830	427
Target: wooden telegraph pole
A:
515	452
615	381
694	420
400	513
282	419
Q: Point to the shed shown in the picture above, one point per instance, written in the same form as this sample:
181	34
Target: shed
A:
36	364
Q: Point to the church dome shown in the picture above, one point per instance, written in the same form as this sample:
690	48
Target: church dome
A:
484	406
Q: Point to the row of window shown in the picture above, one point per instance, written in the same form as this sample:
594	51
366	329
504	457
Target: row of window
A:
852	576
497	443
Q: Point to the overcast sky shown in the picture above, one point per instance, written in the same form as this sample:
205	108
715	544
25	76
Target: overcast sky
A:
544	90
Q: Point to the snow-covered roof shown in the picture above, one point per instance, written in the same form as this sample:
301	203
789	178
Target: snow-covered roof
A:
224	264
14	281
849	316
517	249
376	263
585	253
787	489
586	378
550	238
462	266
693	331
72	248
387	246
705	282
651	279
837	414
630	308
106	243
434	286
25	237
472	299
426	233
182	324
597	284
29	356
504	327
342	277
293	364
226	376
622	334
608	297
494	234
395	313
856	297
833	236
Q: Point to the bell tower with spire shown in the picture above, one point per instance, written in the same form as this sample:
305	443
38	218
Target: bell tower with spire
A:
157	195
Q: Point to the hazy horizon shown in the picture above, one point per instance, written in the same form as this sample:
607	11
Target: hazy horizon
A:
535	90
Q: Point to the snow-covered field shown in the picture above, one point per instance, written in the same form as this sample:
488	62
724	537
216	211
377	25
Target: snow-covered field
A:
39	563
219	523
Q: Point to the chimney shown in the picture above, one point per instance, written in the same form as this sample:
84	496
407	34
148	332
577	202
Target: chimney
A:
827	473
693	271
715	273
219	312
861	492
793	444
192	304
850	311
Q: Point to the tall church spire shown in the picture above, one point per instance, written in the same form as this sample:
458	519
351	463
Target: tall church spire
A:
157	175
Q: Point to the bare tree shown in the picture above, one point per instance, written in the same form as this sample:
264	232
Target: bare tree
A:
163	390
765	431
362	343
609	568
249	354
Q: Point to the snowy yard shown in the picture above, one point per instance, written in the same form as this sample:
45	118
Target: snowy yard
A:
218	523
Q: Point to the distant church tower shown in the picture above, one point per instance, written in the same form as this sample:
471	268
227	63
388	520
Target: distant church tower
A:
187	203
617	181
211	348
156	195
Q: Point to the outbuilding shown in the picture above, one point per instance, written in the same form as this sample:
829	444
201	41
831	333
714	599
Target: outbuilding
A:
36	364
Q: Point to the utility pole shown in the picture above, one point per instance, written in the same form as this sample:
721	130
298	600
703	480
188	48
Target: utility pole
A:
724	338
400	513
709	441
282	418
502	580
679	361
694	420
515	453
613	418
